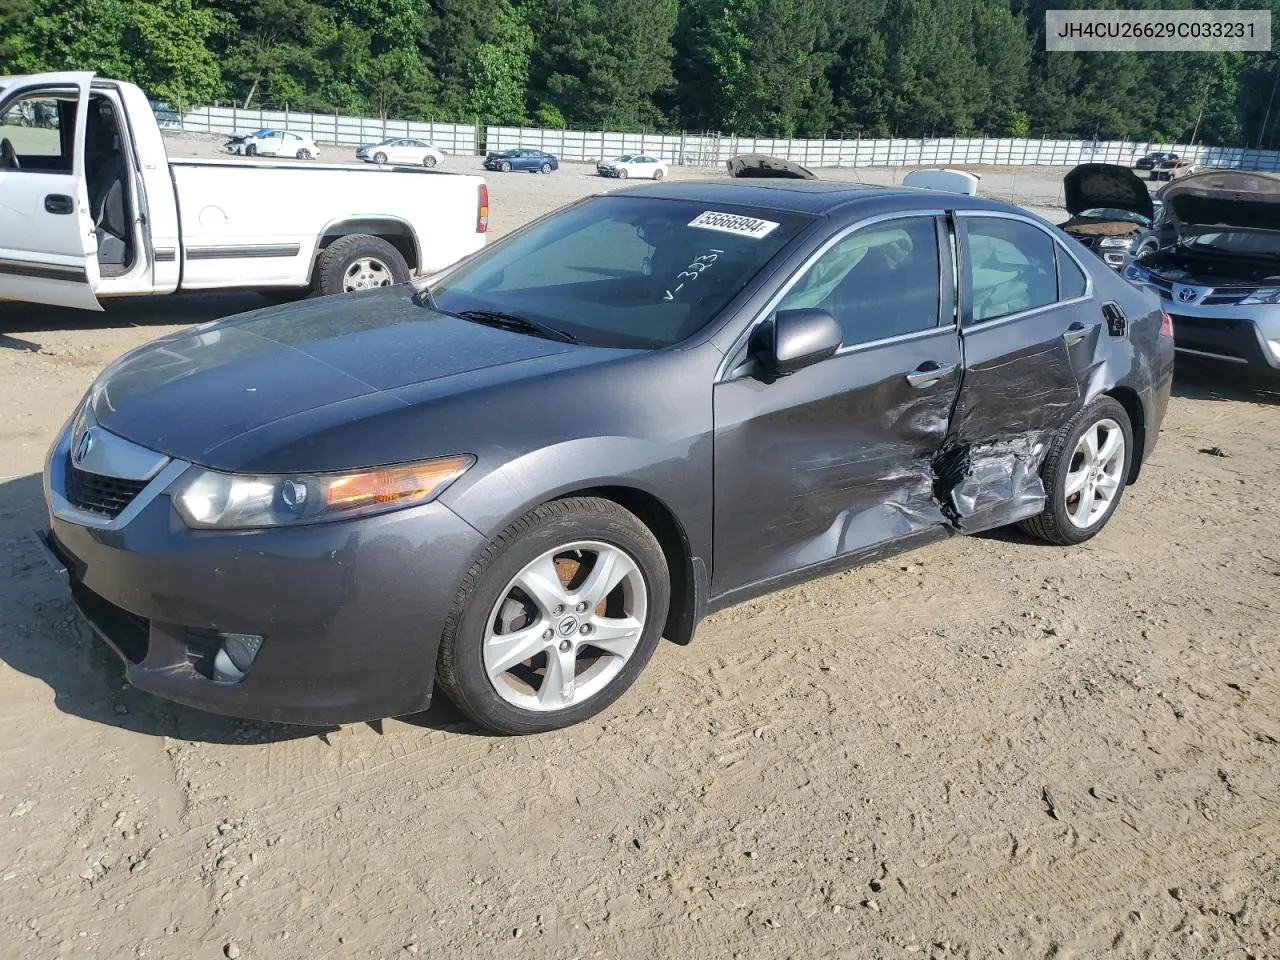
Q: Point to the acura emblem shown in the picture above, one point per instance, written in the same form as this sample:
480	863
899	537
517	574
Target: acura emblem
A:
83	447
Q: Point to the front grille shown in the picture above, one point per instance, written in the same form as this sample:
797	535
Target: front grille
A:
105	496
129	633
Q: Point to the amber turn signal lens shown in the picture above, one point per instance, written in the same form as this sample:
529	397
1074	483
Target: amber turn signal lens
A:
402	484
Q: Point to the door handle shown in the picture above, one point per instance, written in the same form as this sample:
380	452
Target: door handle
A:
59	203
1077	332
929	373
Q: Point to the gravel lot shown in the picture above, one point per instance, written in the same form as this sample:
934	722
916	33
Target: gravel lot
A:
987	748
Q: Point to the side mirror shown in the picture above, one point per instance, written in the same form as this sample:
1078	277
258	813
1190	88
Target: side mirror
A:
793	340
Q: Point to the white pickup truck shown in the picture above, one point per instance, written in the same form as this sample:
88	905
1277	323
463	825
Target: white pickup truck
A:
91	206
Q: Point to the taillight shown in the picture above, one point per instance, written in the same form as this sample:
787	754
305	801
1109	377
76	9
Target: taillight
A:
1166	325
482	209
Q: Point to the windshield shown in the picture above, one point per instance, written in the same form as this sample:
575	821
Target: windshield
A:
624	158
1114	213
622	271
264	132
1248	243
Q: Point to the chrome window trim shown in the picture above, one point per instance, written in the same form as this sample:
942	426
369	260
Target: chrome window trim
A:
1024	314
730	370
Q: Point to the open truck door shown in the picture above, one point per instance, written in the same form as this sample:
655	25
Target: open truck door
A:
48	246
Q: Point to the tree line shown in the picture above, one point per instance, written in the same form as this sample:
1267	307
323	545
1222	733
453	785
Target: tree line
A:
755	68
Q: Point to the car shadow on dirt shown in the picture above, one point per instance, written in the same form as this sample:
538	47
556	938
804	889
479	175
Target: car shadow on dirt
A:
42	636
20	318
1196	380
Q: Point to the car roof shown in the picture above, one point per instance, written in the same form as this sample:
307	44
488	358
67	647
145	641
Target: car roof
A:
813	197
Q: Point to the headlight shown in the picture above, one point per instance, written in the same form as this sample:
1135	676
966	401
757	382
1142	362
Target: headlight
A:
207	499
1113	242
1263	295
1135	273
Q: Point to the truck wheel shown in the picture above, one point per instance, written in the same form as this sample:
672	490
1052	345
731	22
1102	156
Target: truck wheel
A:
251	150
358	262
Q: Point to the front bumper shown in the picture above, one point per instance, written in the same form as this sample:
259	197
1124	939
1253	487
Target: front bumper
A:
1245	335
351	612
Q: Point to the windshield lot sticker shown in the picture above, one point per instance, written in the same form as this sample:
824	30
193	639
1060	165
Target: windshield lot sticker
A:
752	227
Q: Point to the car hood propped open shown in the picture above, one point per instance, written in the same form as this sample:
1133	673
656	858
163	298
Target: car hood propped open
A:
1093	185
1219	200
759	165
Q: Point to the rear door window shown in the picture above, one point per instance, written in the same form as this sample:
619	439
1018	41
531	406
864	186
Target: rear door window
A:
1010	268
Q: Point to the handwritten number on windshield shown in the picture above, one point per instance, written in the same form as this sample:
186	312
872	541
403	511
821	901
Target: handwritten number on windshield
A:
693	271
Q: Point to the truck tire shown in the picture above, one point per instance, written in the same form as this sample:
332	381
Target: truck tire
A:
358	262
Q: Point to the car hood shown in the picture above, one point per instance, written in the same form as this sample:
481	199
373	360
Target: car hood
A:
1219	200
196	395
1106	185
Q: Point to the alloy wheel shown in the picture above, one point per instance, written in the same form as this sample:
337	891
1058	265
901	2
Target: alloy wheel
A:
565	626
1095	475
365	274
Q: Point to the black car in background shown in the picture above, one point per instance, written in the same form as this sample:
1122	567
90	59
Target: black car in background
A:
1153	160
643	408
1113	213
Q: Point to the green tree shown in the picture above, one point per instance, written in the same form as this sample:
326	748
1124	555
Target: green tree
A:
167	45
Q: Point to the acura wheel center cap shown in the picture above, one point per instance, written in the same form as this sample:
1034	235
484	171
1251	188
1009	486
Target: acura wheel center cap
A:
568	626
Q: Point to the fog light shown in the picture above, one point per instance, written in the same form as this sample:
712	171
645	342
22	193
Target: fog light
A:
235	656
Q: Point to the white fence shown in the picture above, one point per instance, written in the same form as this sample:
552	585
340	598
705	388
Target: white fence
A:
456	138
713	150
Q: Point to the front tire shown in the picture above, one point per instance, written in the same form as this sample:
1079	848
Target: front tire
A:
622	173
251	150
379	158
358	262
505	166
1084	474
556	619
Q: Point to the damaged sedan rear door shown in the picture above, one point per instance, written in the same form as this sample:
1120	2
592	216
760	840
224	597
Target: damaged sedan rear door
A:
836	458
1029	328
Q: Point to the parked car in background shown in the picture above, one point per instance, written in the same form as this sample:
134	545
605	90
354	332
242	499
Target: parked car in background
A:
633	165
1151	160
273	143
403	150
1113	213
645	407
92	207
522	158
1171	169
1221	281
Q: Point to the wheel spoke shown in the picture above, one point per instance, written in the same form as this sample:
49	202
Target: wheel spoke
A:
1076	481
617	636
558	681
1089	445
611	568
1107	486
1113	445
1084	506
542	584
507	650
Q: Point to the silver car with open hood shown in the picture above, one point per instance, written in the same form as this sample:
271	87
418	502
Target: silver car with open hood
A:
1222	279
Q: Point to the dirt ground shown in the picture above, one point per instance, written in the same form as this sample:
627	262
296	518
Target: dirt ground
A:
987	748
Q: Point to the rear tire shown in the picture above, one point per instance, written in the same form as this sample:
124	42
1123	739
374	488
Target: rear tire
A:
491	605
1068	519
658	174
381	262
304	154
428	161
546	168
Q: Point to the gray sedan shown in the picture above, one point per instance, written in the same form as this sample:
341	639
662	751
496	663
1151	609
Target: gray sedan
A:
645	407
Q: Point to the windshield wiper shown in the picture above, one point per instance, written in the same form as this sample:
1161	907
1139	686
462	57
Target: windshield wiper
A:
425	296
509	321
